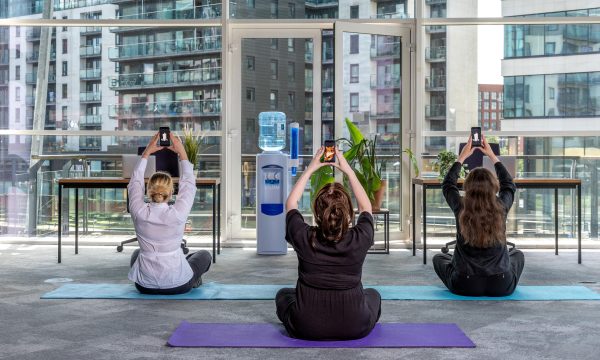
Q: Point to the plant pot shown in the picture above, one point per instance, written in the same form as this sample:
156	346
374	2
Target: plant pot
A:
379	194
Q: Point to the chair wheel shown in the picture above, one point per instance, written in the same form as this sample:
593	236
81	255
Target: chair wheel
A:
445	249
119	248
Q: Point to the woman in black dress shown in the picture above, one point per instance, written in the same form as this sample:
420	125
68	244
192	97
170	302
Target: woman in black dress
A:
329	302
481	264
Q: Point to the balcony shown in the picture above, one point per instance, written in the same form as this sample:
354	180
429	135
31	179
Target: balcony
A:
35	34
328	55
391	15
73	4
50	100
90	74
31	78
435	2
386	50
90	143
167	48
4	36
386	110
90	97
385	82
435	54
165	79
435	83
90	120
320	4
34	56
91	30
435	29
435	111
212	11
184	108
327	85
4	59
90	51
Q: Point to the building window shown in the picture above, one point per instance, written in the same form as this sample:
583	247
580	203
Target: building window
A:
354	12
64	27
18	51
493	116
354	73
65	46
274	44
251	4
274	9
250	96
274	70
65	68
291	45
65	93
17	72
273	99
486	115
353	102
18	115
17	94
18	31
494	95
354	44
486	105
250	63
291	71
551	93
65	114
292	8
292	100
494	105
486	95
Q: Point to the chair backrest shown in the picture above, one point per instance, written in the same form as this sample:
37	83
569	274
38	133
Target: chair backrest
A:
473	161
166	160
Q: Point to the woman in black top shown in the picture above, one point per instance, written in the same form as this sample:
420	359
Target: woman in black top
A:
329	302
481	265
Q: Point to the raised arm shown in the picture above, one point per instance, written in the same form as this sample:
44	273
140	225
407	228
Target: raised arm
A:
507	186
449	185
136	186
298	189
187	181
364	204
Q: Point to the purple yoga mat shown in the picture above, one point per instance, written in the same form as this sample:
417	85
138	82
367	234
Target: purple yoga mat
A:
386	335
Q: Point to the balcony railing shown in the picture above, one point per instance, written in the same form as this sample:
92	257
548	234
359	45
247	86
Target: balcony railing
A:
35	34
435	2
90	29
198	12
90	120
90	143
34	56
321	3
4	36
92	96
183	77
433	29
4	59
386	110
30	100
328	55
73	4
438	110
327	85
391	15
166	48
435	83
387	49
90	50
382	82
435	53
167	108
31	78
90	74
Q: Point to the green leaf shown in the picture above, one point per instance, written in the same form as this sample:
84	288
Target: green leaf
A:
355	133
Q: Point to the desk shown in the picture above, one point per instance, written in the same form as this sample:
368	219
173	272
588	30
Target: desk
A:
121	183
386	229
530	183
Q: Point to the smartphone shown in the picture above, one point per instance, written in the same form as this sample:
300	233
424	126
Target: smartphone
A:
165	136
329	154
476	136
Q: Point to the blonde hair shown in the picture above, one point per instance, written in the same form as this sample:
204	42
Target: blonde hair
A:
160	187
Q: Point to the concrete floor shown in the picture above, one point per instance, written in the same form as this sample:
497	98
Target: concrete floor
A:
123	329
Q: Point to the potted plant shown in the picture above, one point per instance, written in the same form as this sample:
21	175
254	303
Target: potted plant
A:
444	162
191	143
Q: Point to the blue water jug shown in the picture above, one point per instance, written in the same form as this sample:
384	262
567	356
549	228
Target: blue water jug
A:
271	130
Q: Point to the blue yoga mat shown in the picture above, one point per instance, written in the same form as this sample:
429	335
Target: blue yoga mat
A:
216	291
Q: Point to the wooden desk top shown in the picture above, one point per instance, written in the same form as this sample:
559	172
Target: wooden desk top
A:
518	181
123	181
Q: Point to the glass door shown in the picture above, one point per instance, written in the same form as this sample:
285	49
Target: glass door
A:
372	82
272	70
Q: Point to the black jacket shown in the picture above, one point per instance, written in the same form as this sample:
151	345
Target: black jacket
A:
470	260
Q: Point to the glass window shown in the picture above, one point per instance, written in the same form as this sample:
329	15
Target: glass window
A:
486	95
17	115
486	115
494	105
292	100
65	93
273	100
573	95
17	51
65	46
291	71
594	93
353	102
64	29
65	68
17	31
250	96
354	73
494	115
250	63
17	72
292	8
551	103
274	66
354	12
290	45
274	44
534	96
486	105
17	93
274	9
494	95
354	44
251	4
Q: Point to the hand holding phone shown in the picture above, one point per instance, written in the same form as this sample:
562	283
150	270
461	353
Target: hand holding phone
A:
476	136
329	153
164	136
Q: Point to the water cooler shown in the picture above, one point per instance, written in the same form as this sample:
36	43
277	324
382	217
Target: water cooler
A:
273	169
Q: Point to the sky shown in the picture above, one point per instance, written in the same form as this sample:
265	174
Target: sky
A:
490	44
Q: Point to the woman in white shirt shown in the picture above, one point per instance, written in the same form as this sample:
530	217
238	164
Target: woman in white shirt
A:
159	265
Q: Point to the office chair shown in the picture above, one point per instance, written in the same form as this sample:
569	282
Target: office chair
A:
168	161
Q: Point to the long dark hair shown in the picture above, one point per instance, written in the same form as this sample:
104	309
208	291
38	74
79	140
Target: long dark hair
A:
333	212
482	222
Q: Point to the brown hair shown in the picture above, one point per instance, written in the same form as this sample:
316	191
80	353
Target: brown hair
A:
160	187
333	212
482	219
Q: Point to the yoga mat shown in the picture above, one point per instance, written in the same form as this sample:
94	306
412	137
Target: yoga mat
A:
216	291
385	335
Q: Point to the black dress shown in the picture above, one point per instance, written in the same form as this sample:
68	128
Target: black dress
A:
329	302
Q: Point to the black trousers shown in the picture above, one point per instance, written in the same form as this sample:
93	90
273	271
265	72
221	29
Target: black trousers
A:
495	285
199	261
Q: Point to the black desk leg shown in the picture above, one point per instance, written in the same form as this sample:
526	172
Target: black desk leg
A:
386	217
59	221
555	221
414	221
424	224
76	221
214	222
219	219
579	224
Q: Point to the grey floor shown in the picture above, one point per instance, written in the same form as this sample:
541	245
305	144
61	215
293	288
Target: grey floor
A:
133	329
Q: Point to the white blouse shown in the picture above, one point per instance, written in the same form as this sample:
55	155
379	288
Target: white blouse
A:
159	227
